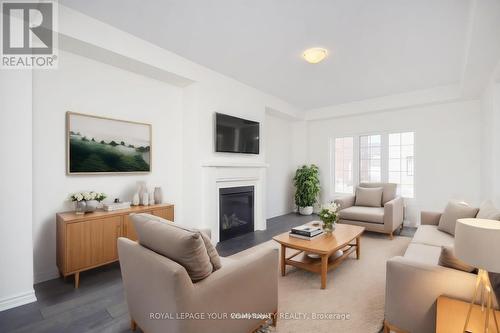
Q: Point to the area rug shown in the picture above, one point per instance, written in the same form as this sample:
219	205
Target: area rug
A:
354	298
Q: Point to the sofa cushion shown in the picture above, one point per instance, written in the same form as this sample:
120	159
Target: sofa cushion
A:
427	254
178	244
448	259
365	214
389	190
487	210
453	212
431	235
369	197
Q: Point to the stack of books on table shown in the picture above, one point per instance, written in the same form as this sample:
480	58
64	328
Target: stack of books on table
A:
306	232
112	206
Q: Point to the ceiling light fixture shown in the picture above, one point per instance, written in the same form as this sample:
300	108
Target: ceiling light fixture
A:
315	55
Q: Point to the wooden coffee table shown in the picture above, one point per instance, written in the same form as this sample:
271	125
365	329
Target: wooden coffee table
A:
345	237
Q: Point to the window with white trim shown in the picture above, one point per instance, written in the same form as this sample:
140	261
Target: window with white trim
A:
343	159
370	151
401	162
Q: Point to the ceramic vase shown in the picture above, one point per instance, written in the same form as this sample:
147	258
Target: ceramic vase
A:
135	199
151	198
158	195
145	198
80	207
91	206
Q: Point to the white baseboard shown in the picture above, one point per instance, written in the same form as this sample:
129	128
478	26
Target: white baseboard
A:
46	275
17	300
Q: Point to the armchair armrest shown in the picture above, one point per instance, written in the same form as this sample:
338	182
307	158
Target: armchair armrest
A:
429	218
345	202
393	214
412	289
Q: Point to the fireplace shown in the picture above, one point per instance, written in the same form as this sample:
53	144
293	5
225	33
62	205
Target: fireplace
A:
236	211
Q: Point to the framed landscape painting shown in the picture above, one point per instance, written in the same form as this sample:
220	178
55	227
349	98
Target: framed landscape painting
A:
99	145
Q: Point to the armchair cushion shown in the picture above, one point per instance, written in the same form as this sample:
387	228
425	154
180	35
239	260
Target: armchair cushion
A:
364	214
345	202
369	197
389	189
430	235
453	212
178	244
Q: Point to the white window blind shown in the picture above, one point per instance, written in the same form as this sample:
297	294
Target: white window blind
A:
343	159
370	147
401	162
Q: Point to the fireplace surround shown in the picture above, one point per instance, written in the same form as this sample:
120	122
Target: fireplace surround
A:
219	175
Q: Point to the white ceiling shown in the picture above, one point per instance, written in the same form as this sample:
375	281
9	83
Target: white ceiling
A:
377	48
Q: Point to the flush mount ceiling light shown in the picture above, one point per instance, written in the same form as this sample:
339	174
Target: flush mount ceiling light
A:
315	55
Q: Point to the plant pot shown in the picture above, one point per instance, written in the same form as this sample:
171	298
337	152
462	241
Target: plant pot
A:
91	206
306	210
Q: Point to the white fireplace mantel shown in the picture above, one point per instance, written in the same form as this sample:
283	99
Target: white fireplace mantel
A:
234	165
226	174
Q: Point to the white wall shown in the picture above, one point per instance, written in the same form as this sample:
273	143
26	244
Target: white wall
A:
281	168
490	143
86	86
182	121
447	149
16	249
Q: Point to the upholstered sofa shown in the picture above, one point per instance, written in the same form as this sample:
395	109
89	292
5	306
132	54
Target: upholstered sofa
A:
162	297
415	281
385	218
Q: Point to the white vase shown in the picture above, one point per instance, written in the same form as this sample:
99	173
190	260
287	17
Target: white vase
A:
151	198
91	206
135	199
145	198
306	210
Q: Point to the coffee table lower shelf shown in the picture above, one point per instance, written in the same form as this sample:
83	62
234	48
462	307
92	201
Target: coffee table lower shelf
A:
321	265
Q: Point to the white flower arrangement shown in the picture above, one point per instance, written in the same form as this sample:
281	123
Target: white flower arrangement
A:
328	213
87	196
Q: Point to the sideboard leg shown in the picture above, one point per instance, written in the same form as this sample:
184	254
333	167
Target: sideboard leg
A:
133	325
77	279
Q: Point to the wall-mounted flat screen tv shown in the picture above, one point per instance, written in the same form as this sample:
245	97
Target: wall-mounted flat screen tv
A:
236	135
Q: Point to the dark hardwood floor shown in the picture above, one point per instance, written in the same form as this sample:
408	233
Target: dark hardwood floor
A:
99	304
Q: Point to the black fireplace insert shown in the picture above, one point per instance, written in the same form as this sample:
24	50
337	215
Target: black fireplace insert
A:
236	211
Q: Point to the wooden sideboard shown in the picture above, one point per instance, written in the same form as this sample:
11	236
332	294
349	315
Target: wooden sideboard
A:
88	241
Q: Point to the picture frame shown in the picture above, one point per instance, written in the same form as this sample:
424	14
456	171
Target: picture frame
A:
97	145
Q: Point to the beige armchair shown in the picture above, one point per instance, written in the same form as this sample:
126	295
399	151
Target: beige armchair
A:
384	219
161	295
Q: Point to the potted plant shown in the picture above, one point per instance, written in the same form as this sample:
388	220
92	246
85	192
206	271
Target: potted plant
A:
328	215
306	182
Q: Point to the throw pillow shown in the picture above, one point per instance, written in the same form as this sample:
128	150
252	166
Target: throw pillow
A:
448	259
211	251
369	197
487	210
185	247
453	212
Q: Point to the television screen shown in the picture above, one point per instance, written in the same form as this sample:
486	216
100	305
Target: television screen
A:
236	135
